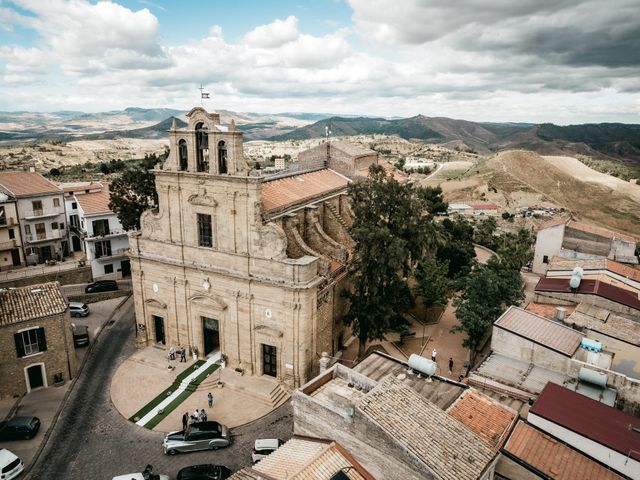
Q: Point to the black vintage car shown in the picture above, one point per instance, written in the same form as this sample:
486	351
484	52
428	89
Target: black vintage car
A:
101	286
19	428
205	471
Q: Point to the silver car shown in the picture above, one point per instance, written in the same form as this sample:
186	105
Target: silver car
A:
197	436
78	309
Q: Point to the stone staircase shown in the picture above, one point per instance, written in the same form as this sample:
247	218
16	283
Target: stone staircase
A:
336	214
267	392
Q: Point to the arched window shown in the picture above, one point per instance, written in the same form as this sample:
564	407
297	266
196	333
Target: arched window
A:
202	147
182	154
222	157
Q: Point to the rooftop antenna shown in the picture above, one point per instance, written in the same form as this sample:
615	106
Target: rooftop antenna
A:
203	94
327	132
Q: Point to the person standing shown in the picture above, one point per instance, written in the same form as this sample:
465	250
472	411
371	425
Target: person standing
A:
210	399
434	354
183	354
185	420
450	365
203	414
172	353
196	415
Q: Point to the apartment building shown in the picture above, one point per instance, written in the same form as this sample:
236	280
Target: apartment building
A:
11	254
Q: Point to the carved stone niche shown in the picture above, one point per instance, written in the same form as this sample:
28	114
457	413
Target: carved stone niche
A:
271	243
202	198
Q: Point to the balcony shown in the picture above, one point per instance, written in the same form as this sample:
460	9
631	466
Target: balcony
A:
44	213
8	222
106	235
8	245
47	236
78	231
118	253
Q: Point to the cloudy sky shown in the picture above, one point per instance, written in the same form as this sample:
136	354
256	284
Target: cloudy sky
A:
564	61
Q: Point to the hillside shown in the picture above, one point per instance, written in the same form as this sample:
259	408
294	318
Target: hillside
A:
520	178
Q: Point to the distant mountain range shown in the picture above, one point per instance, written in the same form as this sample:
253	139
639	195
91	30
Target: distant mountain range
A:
604	140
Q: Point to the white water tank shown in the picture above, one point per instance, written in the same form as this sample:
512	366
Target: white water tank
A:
574	282
560	313
591	376
422	365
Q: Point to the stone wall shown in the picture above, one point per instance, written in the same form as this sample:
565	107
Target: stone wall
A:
586	242
514	346
65	277
58	358
98	297
563	298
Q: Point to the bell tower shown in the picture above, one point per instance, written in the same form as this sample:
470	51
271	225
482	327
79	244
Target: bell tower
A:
206	146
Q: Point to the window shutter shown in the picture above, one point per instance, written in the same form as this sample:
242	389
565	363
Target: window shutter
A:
42	340
19	345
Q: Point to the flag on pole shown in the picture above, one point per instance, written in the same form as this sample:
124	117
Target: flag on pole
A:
205	95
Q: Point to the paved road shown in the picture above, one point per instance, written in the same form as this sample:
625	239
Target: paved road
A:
92	440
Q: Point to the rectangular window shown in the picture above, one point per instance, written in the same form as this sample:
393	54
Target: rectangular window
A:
56	202
100	227
54	226
12	234
3	217
61	226
30	341
74	205
74	220
545	259
27	229
41	231
108	269
103	249
37	205
205	233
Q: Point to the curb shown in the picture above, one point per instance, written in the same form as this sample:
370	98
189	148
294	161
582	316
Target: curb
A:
54	421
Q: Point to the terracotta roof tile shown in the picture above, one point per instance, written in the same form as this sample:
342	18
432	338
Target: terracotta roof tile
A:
589	418
624	270
602	232
28	303
554	222
448	448
552	335
351	149
553	458
286	192
95	203
24	184
81	187
484	206
488	419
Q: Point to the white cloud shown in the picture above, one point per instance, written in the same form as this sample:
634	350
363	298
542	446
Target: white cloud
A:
274	34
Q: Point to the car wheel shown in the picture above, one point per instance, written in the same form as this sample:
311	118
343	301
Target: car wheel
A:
214	447
172	452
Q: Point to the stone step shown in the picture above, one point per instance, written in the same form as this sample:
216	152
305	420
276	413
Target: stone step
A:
341	220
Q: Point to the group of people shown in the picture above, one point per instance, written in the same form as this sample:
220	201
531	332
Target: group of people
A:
434	356
198	415
181	350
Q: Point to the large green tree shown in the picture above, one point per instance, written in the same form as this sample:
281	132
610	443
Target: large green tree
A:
457	249
134	191
392	229
432	283
486	293
515	249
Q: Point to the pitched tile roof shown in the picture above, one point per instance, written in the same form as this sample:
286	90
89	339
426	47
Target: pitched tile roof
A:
442	443
286	192
488	419
24	184
351	149
545	332
554	222
553	458
28	303
95	203
624	270
602	232
80	186
309	459
484	206
623	296
591	419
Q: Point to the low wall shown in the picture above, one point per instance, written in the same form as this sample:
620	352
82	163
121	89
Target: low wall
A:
98	297
65	277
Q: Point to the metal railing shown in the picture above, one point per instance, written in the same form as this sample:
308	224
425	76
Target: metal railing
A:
8	222
119	252
44	212
42	237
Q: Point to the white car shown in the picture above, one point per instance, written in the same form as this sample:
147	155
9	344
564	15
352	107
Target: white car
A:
146	474
263	447
10	465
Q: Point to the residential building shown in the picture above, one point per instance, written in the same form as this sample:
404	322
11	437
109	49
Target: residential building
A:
343	157
11	253
416	163
569	239
36	341
71	189
305	459
602	269
531	454
460	209
279	163
41	214
483	209
106	242
239	263
599	431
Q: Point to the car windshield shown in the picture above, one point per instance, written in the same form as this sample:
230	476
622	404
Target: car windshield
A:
33	423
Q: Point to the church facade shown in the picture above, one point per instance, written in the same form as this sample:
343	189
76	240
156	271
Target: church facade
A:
233	261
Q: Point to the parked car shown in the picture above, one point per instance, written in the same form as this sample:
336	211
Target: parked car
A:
78	309
146	474
10	465
101	286
197	436
80	335
205	471
19	428
263	447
